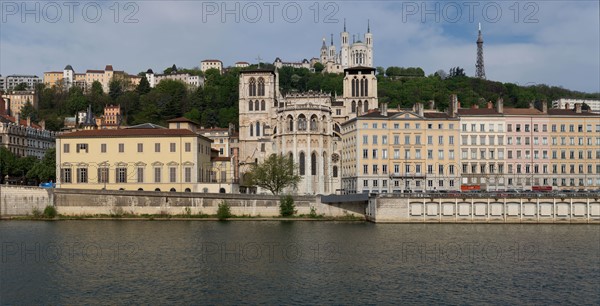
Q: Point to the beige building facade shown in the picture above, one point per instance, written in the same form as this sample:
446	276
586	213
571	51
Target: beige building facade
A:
151	159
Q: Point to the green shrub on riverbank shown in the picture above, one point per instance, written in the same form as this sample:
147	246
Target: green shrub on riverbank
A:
224	211
50	212
286	206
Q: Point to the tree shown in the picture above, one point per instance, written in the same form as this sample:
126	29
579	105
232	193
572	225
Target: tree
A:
456	72
29	111
143	87
380	71
275	173
45	169
115	89
21	86
318	67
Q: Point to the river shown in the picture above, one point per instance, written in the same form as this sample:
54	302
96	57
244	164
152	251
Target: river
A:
252	262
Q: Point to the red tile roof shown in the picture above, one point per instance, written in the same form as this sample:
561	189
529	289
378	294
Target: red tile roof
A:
211	60
130	133
22	121
220	158
182	119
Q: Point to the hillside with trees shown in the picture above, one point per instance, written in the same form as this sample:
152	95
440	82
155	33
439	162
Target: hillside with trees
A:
216	103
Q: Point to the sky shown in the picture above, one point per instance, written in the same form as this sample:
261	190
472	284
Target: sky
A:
526	42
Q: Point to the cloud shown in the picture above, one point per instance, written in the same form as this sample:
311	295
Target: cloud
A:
561	48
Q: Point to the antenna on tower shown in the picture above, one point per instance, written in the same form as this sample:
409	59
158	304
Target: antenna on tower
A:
344	24
332	39
479	67
368	26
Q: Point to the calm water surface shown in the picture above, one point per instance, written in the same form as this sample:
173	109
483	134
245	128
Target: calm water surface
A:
156	262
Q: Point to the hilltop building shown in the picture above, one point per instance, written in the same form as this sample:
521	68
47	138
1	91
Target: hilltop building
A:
68	78
193	81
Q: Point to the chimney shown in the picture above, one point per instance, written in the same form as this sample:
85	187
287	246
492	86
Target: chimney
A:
475	106
419	108
566	105
578	108
500	105
18	118
42	123
490	105
543	107
384	107
454	105
531	104
431	104
7	106
28	121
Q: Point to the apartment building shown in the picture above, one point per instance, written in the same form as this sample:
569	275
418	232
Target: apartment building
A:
400	151
17	99
211	64
144	157
23	137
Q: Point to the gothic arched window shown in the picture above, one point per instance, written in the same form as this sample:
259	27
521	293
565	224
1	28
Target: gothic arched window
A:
366	106
353	106
362	87
313	123
366	87
250	104
261	86
360	105
262	105
257	128
252	87
354	87
335	171
290	124
256	105
302	163
251	130
301	123
313	163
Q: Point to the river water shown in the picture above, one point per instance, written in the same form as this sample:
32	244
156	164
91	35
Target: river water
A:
195	262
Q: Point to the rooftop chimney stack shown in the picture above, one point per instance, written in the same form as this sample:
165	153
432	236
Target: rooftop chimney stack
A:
531	104
500	105
490	105
18	119
28	121
419	108
454	105
384	107
43	124
431	104
578	108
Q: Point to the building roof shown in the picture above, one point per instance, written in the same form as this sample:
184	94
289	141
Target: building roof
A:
211	60
146	126
182	119
477	112
68	67
11	119
215	129
522	111
571	112
130	133
242	63
108	68
94	71
261	70
220	158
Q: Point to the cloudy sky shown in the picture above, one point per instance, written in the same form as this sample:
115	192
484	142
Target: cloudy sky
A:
550	42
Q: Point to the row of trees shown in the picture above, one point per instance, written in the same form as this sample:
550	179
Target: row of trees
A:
29	168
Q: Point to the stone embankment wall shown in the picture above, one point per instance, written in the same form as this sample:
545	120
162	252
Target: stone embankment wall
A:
20	201
485	210
98	202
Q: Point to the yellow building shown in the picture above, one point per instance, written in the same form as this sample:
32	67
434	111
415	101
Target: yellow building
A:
18	99
144	157
400	151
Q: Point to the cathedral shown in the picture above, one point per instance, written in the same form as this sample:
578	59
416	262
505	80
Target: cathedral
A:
359	53
305	125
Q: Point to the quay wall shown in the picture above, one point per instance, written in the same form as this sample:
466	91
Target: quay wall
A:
544	209
21	200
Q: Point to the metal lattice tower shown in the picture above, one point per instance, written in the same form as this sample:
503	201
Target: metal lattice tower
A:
479	67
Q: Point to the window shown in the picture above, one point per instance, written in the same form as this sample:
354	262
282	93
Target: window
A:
440	139
365	153
121	147
82	175
157	148
406	154
157	175
482	127
335	171
375	169
396	154
407	139
526	127
65	175
140	174
172	174
365	169
429	154
302	163
418	139
313	164
430	140
384	139
441	154
140	147
103	148
365	139
66	148
451	140
103	175
172	147
396	139
451	154
82	147
121	175
374	153
418	153
384	154
374	139
188	147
